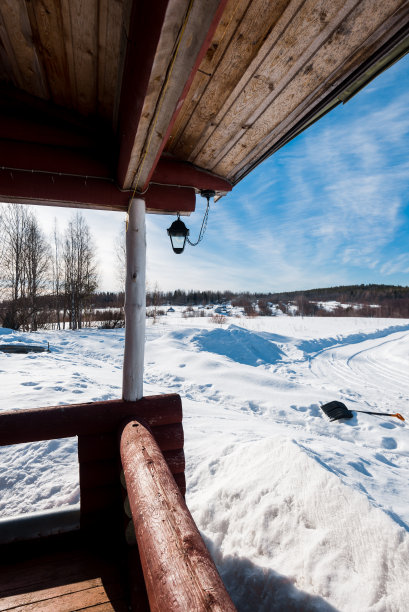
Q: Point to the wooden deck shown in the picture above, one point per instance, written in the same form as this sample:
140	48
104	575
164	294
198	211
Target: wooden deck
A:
63	575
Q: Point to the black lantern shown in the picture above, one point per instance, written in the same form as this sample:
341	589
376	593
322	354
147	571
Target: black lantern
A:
178	233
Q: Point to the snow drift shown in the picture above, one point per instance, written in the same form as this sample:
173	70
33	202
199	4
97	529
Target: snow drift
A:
299	513
272	503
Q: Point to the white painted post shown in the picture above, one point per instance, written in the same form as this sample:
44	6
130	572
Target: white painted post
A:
135	302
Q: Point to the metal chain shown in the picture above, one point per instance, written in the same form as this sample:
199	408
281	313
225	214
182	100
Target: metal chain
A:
204	225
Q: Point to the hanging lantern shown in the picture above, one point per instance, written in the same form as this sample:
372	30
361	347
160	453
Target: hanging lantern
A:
178	233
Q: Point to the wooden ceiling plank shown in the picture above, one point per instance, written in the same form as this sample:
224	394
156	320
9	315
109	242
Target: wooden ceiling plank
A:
69	51
338	56
109	43
47	28
84	34
16	36
305	33
103	22
194	36
244	49
124	37
224	32
6	69
202	46
174	17
285	18
323	97
141	50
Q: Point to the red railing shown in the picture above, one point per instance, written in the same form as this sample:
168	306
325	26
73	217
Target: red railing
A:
179	574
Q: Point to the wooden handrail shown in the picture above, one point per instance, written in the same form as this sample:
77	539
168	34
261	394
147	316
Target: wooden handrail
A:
86	419
178	570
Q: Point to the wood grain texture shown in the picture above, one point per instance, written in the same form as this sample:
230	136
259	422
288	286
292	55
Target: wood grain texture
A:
85	419
160	65
244	46
62	580
111	17
281	59
16	38
46	20
99	447
179	573
291	48
353	41
105	472
84	35
181	65
135	302
232	15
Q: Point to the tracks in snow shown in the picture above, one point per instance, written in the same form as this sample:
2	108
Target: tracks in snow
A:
379	367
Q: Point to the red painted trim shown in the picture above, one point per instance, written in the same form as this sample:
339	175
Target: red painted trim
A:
215	22
32	156
145	29
72	191
52	422
173	172
162	198
60	190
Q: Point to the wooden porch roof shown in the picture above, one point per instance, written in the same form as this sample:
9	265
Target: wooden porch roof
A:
104	98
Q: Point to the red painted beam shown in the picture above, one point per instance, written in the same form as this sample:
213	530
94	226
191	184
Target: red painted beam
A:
61	159
174	172
163	199
83	192
144	32
201	54
86	419
61	190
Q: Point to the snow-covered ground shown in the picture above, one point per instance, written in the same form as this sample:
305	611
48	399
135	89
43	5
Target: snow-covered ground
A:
299	513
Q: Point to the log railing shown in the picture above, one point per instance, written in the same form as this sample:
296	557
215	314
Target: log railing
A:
178	571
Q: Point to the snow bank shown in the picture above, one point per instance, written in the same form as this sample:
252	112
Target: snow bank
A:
239	345
282	526
300	513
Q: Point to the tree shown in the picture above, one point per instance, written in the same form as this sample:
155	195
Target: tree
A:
120	256
24	266
80	270
36	261
57	273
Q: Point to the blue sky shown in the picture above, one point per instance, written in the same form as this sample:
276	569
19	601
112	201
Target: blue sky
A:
330	208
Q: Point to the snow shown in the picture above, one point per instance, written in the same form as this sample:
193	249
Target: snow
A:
298	512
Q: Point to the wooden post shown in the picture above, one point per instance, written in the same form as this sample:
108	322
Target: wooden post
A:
135	302
179	573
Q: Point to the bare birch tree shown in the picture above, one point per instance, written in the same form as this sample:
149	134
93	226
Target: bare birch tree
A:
80	270
24	266
57	274
37	262
120	257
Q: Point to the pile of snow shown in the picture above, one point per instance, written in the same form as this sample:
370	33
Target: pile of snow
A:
298	512
304	520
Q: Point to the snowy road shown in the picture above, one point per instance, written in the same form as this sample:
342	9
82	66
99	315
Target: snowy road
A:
378	366
298	512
